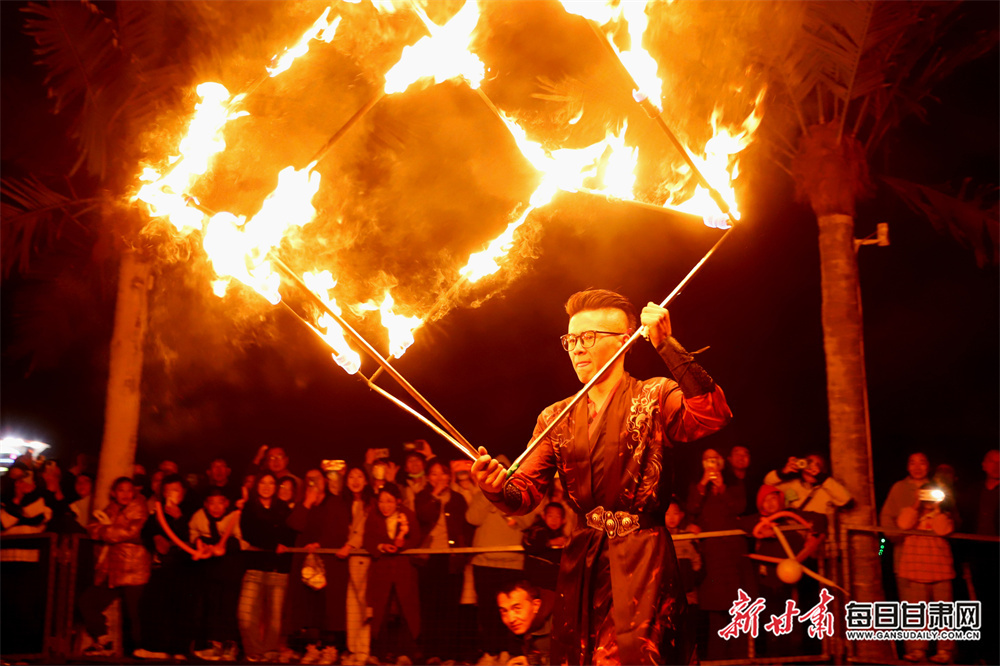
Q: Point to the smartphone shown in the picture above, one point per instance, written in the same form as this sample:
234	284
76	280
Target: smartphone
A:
931	495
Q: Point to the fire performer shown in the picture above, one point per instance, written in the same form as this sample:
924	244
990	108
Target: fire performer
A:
621	599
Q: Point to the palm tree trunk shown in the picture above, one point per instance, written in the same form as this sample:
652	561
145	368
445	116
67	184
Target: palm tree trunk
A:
831	171
850	449
121	413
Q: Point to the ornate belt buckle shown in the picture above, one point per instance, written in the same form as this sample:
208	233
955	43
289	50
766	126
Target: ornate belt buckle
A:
595	519
617	523
627	523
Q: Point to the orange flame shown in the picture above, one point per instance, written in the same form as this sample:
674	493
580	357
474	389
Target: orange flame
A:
399	327
327	327
443	55
321	30
636	59
240	250
165	195
720	166
563	169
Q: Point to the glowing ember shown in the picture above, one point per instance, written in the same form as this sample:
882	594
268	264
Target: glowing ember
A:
165	194
321	30
443	55
240	250
327	327
399	327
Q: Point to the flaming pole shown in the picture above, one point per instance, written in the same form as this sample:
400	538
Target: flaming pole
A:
618	354
654	113
348	124
373	353
390	397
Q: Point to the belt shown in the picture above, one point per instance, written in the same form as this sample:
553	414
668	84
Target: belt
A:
618	523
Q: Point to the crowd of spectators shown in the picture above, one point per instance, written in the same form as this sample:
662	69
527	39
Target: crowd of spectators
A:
265	567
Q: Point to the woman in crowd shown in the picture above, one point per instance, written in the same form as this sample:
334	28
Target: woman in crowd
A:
389	530
170	594
715	503
262	595
318	592
123	567
81	507
923	564
360	499
287	491
441	514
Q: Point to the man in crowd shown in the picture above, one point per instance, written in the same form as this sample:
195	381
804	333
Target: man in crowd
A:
621	598
738	462
276	462
218	474
527	612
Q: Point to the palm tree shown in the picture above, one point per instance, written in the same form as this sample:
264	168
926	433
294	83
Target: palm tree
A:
854	72
110	72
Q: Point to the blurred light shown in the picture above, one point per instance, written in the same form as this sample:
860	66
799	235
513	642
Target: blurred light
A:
12	447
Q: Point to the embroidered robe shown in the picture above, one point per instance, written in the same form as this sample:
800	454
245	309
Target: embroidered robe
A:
633	436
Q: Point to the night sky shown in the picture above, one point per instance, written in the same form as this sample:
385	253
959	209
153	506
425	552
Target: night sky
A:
221	385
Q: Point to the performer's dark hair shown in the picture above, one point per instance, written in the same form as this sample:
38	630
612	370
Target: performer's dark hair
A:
598	299
509	588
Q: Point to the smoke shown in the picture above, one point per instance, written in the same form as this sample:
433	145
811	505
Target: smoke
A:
428	176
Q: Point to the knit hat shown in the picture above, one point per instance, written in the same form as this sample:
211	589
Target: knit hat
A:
766	490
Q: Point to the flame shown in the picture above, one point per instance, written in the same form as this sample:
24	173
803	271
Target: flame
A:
399	327
321	30
327	327
443	55
165	195
609	161
239	250
720	166
636	59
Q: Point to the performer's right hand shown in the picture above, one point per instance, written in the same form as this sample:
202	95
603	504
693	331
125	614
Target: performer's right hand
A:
488	473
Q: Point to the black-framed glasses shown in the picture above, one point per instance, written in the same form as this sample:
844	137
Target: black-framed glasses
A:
587	339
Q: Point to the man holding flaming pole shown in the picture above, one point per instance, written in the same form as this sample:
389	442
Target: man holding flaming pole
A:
620	598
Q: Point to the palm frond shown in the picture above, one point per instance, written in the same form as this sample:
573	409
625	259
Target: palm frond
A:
77	46
31	218
970	216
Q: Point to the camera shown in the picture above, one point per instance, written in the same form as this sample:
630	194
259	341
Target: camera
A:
410	446
381	453
800	463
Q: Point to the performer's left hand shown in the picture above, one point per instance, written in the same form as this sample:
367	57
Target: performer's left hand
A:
657	323
488	473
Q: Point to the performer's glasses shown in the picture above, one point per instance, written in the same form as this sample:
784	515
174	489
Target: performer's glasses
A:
587	339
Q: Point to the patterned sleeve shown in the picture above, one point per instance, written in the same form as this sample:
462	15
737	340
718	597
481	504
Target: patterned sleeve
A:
689	419
527	485
692	404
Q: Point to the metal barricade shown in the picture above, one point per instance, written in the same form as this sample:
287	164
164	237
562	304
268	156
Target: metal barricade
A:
848	568
28	565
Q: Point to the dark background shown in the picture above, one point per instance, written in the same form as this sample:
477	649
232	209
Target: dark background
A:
932	324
